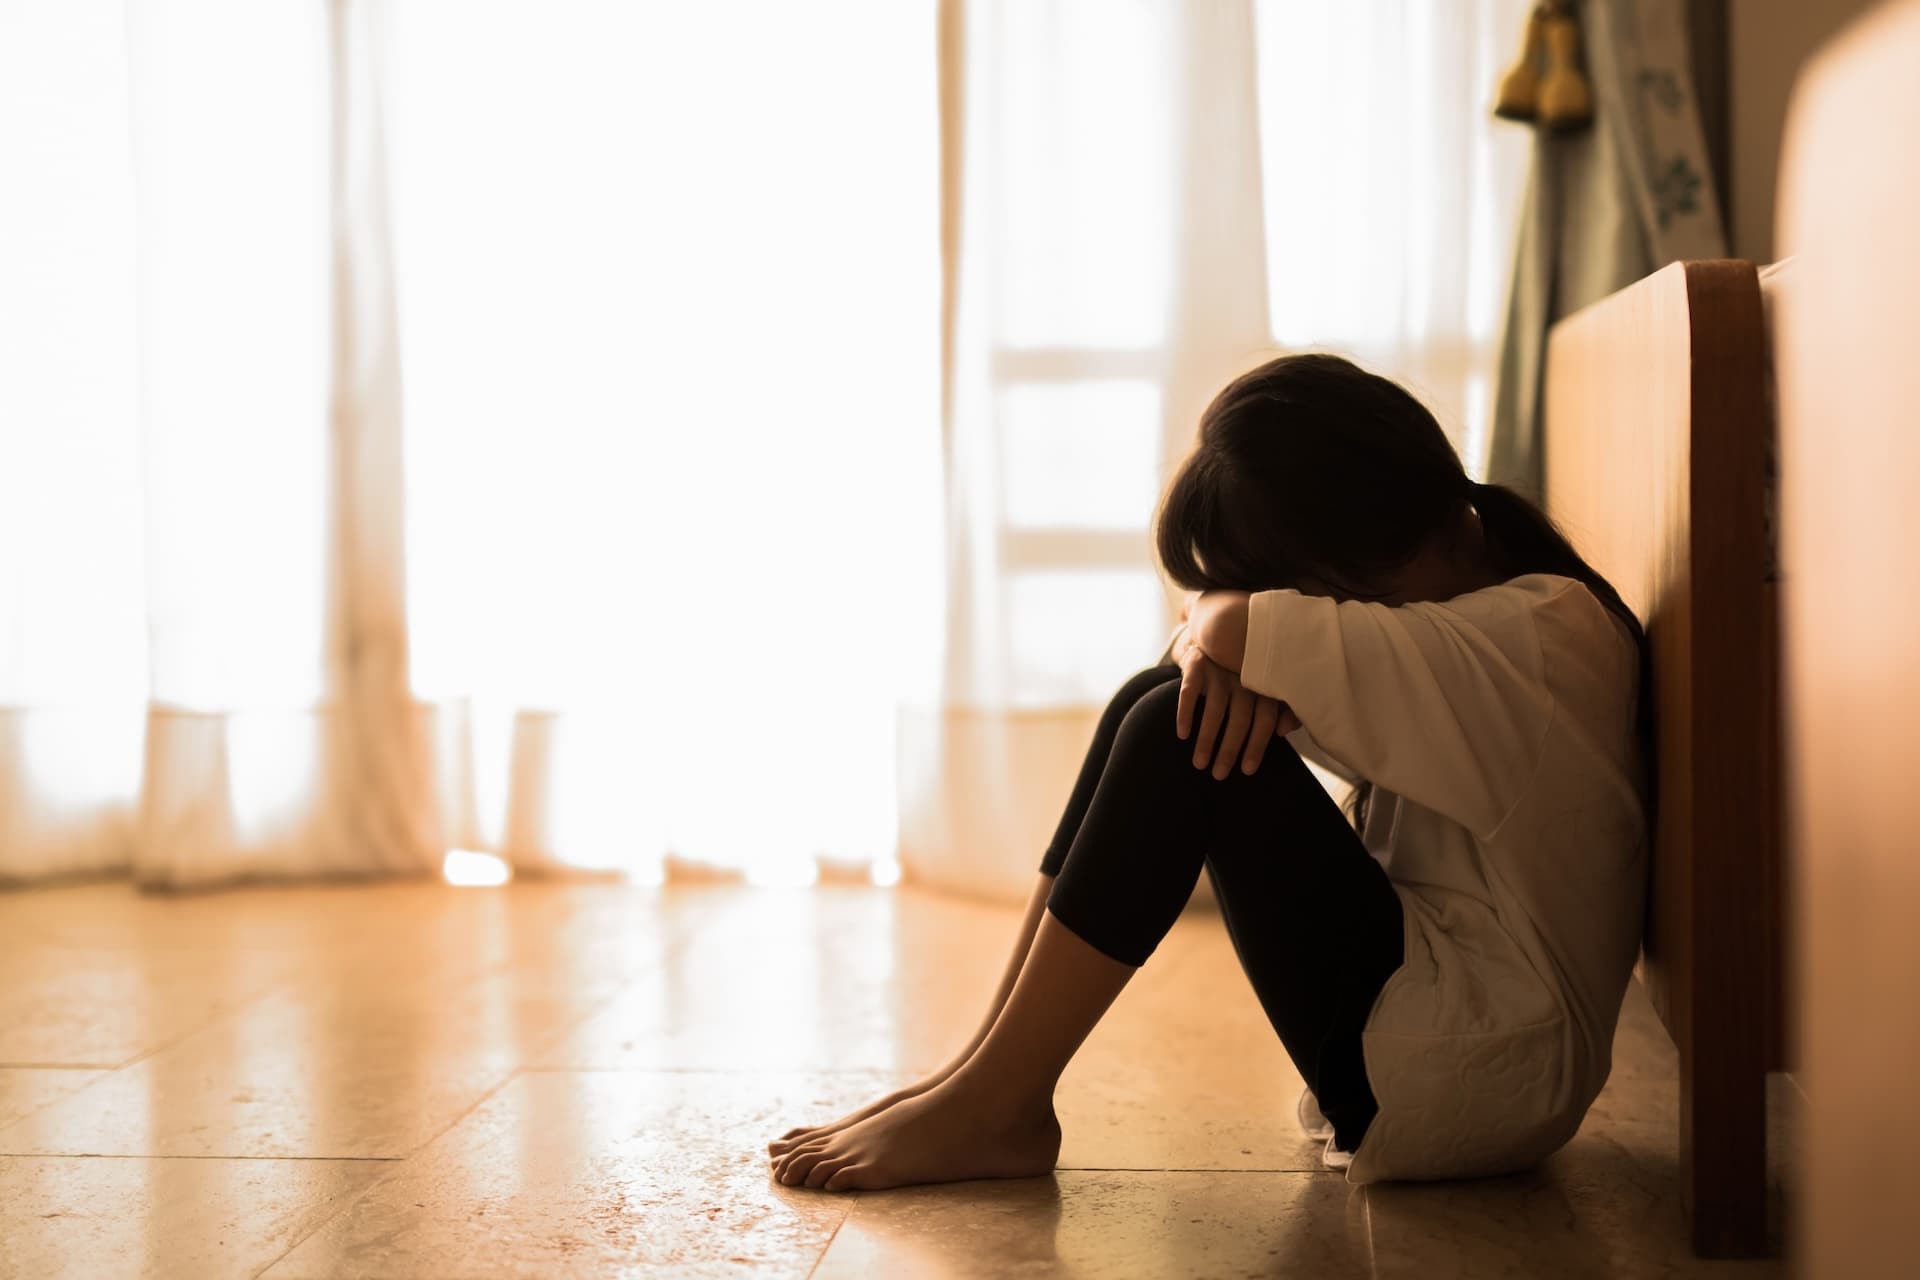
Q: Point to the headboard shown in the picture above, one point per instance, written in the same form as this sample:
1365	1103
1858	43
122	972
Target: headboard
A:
1657	449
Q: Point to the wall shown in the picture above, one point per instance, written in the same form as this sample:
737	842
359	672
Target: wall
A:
1767	43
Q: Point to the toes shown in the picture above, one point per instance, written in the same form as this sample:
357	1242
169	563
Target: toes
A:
791	1139
847	1178
823	1172
799	1165
784	1161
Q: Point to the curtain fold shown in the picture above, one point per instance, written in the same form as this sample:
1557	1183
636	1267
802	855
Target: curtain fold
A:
164	696
393	464
1604	207
379	758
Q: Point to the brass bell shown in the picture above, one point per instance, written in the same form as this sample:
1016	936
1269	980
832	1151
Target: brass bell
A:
1565	100
1519	95
1546	85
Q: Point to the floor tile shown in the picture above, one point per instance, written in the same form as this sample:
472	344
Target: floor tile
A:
809	981
1185	1072
192	1219
317	1070
24	1090
92	1006
580	1079
597	1173
1108	1225
1593	1211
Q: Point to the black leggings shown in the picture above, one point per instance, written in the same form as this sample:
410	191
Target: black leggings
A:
1315	922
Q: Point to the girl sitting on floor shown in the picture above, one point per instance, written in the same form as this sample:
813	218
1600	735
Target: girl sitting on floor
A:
1446	971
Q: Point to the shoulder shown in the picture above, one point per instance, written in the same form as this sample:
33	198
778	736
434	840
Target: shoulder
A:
1545	599
1586	651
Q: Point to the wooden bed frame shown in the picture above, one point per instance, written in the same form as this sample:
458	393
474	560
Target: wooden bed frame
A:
1658	446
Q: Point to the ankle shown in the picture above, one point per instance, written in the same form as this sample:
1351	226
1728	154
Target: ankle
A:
996	1097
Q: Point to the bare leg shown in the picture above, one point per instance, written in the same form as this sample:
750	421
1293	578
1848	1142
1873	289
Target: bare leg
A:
1078	802
1036	906
993	1117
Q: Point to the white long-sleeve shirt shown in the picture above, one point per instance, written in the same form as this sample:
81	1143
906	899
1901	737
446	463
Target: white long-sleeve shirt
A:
1498	730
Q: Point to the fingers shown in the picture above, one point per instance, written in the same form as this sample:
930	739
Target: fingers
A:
1192	676
1239	720
1213	710
1266	714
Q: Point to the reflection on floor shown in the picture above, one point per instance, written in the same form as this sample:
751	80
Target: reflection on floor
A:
416	1081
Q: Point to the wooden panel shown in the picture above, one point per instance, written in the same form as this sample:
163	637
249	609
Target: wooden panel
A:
1656	454
1850	520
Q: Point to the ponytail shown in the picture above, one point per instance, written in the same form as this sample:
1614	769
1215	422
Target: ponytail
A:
1524	539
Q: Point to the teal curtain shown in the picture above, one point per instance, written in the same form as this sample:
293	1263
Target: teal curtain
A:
1605	206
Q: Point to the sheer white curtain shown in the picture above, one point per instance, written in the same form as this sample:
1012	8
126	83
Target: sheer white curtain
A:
170	682
1152	196
1392	195
645	298
430	425
668	282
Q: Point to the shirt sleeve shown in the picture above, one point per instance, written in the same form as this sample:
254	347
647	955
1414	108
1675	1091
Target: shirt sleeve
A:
1307	749
1444	703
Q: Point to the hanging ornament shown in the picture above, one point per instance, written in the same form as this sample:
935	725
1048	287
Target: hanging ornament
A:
1519	95
1546	85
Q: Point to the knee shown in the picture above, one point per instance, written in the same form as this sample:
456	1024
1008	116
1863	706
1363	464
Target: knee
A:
1150	733
1130	693
1141	683
1149	726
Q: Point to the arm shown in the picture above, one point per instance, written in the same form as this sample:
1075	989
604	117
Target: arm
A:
1443	703
1219	626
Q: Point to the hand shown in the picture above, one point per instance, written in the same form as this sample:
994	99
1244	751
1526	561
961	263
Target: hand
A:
1234	720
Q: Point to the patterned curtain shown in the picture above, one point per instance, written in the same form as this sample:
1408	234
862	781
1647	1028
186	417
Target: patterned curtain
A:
1605	205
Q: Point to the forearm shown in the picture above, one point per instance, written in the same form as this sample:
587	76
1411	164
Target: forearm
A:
1219	627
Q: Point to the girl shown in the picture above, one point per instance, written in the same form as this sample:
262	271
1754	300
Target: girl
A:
1447	977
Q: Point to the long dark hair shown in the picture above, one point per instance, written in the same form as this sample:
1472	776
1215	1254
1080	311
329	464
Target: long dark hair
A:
1311	467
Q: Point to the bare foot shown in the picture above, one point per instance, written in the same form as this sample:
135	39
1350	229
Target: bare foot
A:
949	1134
795	1137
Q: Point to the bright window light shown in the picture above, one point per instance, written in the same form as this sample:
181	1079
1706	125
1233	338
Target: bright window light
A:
783	873
469	867
885	874
669	315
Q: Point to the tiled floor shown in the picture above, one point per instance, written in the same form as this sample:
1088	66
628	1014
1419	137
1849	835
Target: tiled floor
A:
416	1081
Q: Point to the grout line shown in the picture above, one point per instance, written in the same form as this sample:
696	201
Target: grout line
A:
59	1066
1134	1168
828	1246
850	1073
121	1155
